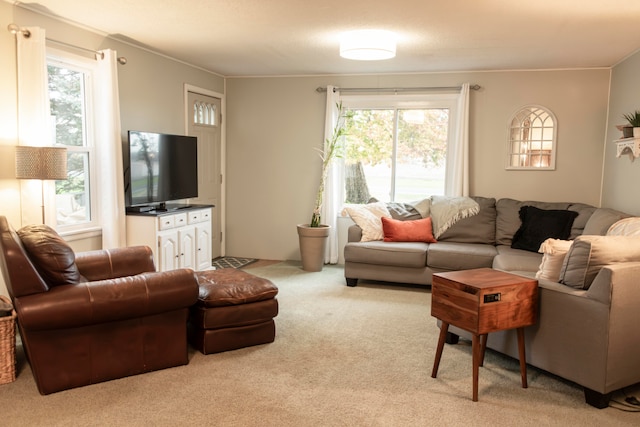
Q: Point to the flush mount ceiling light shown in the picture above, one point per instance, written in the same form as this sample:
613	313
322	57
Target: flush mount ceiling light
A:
368	45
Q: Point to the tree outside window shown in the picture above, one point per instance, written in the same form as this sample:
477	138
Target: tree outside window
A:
68	99
395	154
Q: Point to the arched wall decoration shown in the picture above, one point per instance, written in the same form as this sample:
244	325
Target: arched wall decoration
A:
531	142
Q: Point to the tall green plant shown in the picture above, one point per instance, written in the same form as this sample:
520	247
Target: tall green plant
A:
331	150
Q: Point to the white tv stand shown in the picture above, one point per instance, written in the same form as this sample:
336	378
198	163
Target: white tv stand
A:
179	236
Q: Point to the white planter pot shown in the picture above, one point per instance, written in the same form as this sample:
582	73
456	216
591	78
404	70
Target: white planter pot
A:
636	132
313	243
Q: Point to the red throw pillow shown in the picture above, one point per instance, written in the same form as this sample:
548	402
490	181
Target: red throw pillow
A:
419	230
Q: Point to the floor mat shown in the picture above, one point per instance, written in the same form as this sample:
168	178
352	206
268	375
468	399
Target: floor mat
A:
231	262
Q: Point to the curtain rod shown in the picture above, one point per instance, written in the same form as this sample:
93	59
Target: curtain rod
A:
395	89
14	29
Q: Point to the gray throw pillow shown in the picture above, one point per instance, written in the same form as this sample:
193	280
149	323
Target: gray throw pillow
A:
588	254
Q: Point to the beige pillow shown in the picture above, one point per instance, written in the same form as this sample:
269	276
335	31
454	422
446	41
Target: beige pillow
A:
368	219
588	254
554	252
625	227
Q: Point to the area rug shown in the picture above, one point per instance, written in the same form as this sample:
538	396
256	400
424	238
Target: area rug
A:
231	262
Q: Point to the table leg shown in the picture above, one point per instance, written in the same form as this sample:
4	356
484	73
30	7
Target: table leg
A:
523	361
476	349
441	339
483	347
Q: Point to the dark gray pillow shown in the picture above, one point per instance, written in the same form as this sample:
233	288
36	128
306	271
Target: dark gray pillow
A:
539	225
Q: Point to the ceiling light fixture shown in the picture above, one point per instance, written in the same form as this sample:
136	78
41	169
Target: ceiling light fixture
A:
368	45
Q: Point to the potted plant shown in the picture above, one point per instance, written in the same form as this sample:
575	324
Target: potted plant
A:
634	120
313	236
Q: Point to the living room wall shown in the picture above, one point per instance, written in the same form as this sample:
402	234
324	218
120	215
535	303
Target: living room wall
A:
274	124
151	87
620	174
151	96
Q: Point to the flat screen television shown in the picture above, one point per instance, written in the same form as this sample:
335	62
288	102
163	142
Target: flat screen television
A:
159	168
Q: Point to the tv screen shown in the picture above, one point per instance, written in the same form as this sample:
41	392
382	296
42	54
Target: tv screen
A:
160	168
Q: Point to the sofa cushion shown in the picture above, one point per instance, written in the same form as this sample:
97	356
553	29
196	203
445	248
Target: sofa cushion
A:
539	224
553	254
50	254
509	259
588	254
400	254
601	220
460	256
419	230
367	217
584	213
479	228
508	216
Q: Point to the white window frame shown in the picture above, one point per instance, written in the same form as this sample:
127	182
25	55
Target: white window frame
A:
88	67
407	101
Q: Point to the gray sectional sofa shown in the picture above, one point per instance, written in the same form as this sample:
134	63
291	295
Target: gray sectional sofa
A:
588	336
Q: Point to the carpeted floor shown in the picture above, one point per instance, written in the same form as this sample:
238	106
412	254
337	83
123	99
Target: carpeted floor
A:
342	357
231	262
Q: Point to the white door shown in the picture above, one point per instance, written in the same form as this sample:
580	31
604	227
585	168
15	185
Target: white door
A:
205	122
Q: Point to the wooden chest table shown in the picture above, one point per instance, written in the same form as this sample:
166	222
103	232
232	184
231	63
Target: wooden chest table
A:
481	301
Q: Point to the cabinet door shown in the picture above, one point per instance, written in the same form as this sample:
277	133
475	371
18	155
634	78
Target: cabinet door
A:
203	237
168	251
187	237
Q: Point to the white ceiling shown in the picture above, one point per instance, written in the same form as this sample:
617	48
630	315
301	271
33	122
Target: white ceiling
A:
301	37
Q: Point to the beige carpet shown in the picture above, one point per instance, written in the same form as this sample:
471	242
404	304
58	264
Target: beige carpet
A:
342	357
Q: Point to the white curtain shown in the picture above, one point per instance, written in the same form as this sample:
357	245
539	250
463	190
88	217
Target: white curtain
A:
334	188
109	151
457	172
33	114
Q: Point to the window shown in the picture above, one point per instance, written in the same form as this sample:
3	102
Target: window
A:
396	149
204	113
532	139
70	99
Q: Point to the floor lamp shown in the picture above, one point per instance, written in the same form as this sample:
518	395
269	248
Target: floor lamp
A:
43	163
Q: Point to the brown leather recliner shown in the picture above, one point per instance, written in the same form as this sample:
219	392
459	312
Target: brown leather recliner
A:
94	316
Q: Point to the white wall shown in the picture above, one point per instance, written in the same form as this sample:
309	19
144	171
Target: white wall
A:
273	124
621	175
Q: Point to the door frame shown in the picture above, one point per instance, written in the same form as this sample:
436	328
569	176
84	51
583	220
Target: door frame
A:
223	151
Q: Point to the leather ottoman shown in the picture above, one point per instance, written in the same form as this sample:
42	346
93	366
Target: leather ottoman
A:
235	309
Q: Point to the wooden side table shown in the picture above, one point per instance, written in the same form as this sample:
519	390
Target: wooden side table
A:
481	301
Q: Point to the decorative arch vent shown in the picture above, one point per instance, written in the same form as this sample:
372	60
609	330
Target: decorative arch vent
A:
532	139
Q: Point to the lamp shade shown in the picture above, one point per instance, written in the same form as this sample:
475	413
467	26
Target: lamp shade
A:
41	162
368	45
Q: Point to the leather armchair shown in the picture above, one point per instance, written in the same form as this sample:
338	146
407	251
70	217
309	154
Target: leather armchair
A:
94	316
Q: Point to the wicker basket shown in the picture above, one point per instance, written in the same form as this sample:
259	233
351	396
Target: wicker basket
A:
7	346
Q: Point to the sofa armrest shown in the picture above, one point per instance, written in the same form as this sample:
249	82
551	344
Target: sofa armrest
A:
89	303
617	283
354	233
112	263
